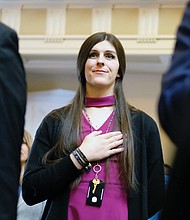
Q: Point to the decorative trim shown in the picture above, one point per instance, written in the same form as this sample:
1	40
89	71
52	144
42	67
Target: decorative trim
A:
11	17
101	19
147	40
148	21
56	19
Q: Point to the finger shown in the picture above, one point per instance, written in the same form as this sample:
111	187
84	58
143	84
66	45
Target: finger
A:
111	134
114	138
115	144
116	151
95	133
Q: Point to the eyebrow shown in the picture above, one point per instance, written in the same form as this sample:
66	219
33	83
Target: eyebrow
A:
110	51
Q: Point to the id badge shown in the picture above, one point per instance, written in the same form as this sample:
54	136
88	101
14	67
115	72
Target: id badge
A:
95	193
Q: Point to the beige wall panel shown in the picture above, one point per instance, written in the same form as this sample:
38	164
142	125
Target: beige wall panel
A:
78	21
39	82
33	21
143	91
169	19
124	21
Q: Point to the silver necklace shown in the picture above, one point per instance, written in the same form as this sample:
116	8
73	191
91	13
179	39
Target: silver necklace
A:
96	186
97	167
91	124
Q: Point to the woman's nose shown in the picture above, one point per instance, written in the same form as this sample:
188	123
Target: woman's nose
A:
100	60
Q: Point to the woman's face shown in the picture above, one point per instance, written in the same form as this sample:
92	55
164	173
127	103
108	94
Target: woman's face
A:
24	153
101	68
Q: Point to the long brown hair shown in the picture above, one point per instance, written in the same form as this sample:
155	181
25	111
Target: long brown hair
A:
71	129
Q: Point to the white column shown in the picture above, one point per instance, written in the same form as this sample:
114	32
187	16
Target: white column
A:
11	17
55	23
148	22
101	19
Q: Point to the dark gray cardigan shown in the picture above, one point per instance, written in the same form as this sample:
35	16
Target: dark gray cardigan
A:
52	182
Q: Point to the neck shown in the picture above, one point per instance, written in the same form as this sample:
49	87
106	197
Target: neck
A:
101	91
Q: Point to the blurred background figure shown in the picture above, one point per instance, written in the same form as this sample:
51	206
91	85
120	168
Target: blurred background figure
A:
23	210
174	115
12	113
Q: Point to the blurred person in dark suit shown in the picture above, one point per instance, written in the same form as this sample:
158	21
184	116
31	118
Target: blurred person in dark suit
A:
174	114
12	112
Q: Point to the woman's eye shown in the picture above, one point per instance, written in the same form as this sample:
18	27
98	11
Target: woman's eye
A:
110	56
93	55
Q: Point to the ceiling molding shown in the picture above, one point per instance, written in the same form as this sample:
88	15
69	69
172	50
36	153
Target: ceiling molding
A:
91	3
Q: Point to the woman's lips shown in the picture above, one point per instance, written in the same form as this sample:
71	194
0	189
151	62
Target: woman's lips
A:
99	71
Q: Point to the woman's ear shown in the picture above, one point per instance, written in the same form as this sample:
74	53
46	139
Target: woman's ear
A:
118	75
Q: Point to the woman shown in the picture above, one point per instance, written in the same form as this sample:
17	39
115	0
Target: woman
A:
23	210
98	157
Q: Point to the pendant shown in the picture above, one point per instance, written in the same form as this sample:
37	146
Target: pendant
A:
95	192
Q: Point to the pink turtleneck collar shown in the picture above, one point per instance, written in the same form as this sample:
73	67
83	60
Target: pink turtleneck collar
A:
100	102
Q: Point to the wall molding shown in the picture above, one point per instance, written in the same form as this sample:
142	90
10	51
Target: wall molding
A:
71	44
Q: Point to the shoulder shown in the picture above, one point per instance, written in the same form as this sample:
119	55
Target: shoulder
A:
7	31
57	114
4	28
9	46
140	116
142	122
53	121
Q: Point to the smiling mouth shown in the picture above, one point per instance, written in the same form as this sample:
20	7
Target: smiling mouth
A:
99	71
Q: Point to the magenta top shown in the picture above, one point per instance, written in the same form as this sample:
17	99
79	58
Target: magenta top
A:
114	204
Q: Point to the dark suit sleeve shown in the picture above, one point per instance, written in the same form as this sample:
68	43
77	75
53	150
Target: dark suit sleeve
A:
174	107
12	111
174	114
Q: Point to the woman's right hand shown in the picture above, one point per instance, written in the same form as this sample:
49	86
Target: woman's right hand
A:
98	146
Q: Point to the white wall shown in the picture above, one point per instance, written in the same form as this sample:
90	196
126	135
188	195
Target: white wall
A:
40	104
